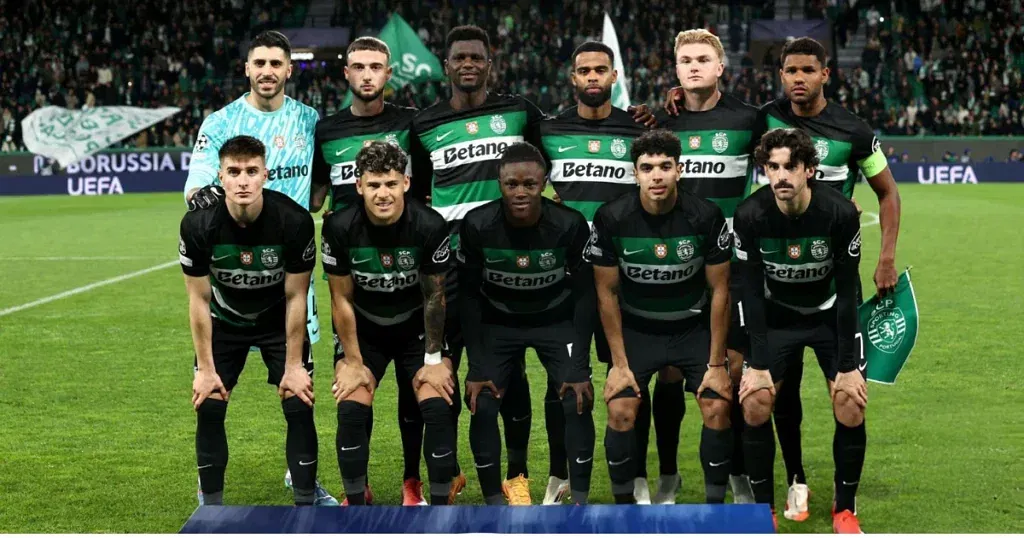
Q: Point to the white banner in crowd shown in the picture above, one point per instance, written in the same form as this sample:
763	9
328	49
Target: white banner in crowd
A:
70	135
620	91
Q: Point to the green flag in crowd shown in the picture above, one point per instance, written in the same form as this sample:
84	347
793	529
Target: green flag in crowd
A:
411	60
620	91
889	325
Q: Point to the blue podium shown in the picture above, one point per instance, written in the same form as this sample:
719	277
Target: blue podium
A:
672	519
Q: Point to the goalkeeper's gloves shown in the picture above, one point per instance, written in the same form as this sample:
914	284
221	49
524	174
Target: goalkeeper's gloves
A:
205	197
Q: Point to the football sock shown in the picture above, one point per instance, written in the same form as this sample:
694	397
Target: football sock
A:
353	447
848	448
669	405
301	449
485	442
211	448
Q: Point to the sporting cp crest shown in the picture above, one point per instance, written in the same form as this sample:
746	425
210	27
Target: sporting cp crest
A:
794	251
819	249
720	142
694	142
684	250
887	328
326	248
405	260
181	246
387	260
299	141
594	146
821	148
269	258
522	262
546	261
619	148
472	127
246	258
661	250
498	124
279	142
391	138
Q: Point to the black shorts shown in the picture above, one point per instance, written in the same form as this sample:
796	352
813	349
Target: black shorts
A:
231	348
687	350
790	332
504	348
453	341
379	347
739	338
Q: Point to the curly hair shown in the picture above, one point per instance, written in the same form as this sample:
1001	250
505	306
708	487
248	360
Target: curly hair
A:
381	157
801	148
657	142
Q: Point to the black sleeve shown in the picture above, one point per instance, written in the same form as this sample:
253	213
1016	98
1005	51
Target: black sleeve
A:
718	240
759	129
846	238
748	252
534	116
600	247
585	316
193	251
470	267
865	143
300	249
321	174
436	251
422	169
333	247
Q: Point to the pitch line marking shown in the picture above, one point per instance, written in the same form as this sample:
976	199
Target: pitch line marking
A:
86	288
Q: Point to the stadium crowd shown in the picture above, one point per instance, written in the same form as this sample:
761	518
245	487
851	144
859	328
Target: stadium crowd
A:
943	68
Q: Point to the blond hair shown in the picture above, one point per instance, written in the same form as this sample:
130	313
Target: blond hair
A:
701	36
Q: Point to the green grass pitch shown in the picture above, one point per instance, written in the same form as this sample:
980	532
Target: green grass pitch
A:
96	433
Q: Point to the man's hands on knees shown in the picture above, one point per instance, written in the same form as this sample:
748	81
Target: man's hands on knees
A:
584	394
205	197
754	380
619	379
717	379
207	382
297	381
852	383
348	377
437	376
474	388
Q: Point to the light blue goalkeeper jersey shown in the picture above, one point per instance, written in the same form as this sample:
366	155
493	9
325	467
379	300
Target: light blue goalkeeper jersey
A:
287	133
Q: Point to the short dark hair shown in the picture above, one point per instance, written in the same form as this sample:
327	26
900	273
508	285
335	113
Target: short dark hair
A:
381	157
593	46
804	45
801	148
243	146
467	33
368	43
657	142
522	152
271	39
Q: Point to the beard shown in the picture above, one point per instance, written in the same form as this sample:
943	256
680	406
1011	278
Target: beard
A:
366	98
594	100
254	86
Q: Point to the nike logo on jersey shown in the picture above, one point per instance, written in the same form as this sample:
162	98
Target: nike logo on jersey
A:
442	137
212	259
341	152
347	448
357	262
631	252
763	251
498	260
563	150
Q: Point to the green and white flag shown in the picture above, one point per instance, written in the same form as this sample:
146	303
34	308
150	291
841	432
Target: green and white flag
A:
411	60
889	325
620	91
71	135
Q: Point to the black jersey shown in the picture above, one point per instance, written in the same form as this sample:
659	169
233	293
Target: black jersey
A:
661	258
526	277
846	145
247	265
339	138
590	159
803	265
387	262
718	146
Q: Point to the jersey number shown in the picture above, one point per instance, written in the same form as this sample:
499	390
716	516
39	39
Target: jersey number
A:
860	341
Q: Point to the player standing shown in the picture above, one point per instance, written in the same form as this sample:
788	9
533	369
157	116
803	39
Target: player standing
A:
524	283
247	261
286	128
799	246
716	131
846	147
386	259
339	138
656	253
588	147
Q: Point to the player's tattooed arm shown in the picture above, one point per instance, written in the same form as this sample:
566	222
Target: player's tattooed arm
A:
433	311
